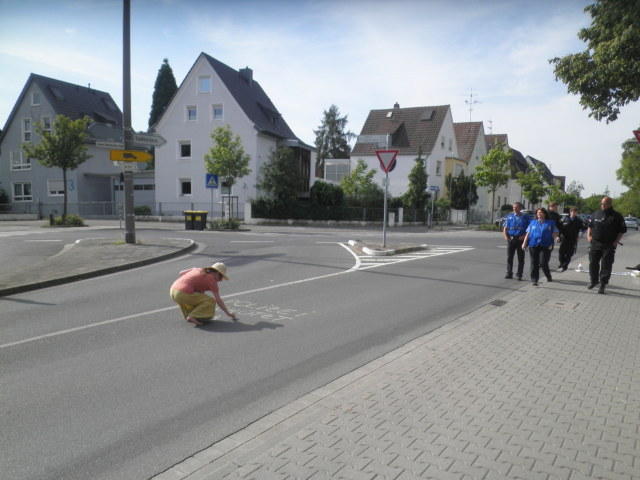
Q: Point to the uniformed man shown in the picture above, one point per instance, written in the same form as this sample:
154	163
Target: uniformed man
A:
515	227
605	231
572	225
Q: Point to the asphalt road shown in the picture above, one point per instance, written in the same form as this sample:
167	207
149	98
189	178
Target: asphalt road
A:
102	378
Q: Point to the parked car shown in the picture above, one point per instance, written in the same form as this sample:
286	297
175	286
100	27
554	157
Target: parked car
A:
631	222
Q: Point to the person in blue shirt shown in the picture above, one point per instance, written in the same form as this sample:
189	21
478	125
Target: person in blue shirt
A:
515	227
541	234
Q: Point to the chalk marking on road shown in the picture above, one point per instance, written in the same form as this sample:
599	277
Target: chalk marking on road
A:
44	240
357	266
251	241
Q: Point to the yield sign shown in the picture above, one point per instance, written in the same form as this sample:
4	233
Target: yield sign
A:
637	134
387	158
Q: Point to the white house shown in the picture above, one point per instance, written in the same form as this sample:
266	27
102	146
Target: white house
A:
408	130
215	95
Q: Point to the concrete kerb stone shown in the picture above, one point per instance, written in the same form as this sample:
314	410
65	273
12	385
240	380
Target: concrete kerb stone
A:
379	250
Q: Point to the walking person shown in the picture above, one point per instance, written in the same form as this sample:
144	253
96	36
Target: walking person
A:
572	226
604	233
553	214
188	291
541	234
515	227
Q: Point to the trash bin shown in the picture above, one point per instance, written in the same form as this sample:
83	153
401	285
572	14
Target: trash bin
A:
188	219
199	220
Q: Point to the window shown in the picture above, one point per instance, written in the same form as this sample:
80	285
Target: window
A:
35	98
439	167
46	123
22	192
185	186
192	113
442	142
55	188
335	171
26	130
185	149
18	161
217	112
204	84
451	144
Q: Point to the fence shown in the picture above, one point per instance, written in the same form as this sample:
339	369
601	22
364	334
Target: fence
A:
115	209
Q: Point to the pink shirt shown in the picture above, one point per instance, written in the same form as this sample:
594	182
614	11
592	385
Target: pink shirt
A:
193	280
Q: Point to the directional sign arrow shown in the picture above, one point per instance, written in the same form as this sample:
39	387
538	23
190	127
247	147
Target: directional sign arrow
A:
129	156
145	139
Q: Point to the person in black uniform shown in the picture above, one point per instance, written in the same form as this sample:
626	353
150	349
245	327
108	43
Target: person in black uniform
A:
571	228
552	214
605	231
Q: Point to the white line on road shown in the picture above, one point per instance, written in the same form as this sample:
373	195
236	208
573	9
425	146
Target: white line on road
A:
357	266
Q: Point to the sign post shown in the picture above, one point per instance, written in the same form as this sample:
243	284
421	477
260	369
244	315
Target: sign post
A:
387	159
433	188
211	182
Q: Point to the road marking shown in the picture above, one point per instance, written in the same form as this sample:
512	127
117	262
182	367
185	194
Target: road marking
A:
359	265
251	241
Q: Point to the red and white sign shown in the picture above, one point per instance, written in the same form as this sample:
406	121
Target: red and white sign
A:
637	134
387	158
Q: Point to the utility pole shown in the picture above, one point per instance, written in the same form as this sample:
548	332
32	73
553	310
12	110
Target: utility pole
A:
129	219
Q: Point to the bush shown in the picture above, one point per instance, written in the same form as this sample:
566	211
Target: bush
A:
72	220
142	210
323	193
225	224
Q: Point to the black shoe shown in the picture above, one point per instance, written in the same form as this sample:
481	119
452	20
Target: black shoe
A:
601	289
559	267
564	268
508	276
519	277
591	285
535	284
549	279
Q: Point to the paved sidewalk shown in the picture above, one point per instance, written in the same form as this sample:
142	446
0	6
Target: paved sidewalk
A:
541	384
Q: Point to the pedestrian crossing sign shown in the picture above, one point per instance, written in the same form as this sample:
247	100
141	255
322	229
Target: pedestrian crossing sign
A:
212	180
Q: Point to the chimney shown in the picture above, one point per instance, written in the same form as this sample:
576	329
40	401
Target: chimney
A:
396	105
247	74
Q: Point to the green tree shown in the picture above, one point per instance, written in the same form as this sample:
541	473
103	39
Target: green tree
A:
63	147
227	158
629	171
534	188
462	191
163	91
629	203
280	178
360	188
417	194
592	203
332	141
494	171
326	194
607	74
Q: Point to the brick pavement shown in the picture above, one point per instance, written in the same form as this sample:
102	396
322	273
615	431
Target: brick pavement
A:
543	384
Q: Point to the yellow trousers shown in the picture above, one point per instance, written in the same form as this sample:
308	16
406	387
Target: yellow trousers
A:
195	305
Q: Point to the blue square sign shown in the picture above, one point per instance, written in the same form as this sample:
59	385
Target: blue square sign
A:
212	180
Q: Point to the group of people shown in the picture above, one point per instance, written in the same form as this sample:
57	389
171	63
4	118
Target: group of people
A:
604	231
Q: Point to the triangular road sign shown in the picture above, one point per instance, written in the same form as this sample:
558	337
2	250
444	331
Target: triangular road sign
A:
637	134
386	158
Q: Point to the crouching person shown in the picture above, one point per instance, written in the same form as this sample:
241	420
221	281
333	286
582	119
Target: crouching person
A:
188	291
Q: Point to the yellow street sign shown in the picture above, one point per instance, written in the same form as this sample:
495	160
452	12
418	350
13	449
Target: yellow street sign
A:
130	156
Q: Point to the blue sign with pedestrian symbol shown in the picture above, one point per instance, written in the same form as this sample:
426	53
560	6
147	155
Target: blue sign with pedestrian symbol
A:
212	180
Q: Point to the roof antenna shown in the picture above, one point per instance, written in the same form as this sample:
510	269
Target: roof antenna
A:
471	102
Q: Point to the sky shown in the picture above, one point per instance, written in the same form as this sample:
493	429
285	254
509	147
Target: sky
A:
488	60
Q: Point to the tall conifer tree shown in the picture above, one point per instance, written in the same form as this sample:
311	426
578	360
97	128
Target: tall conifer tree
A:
163	91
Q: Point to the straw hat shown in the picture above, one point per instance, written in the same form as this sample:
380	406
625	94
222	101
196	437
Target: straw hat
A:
220	268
